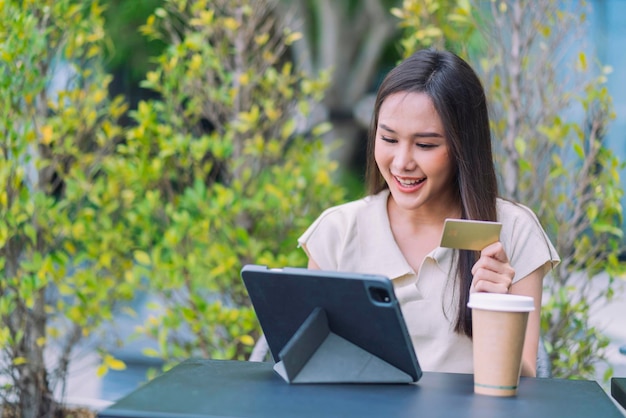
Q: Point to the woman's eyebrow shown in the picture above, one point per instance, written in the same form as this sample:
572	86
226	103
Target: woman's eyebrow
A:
415	135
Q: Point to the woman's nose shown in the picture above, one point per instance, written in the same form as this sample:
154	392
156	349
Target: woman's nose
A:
403	160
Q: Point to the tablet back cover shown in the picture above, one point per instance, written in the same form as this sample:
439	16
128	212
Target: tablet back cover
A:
360	308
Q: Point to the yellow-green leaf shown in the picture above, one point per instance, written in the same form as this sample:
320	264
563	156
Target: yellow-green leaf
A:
150	352
17	361
142	257
247	340
293	37
115	364
46	134
582	61
101	370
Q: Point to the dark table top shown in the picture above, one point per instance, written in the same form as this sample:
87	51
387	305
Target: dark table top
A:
618	390
220	388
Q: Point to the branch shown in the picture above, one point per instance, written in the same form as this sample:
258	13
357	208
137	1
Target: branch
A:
379	30
60	372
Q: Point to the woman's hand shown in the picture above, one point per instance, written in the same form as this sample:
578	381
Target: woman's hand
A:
492	272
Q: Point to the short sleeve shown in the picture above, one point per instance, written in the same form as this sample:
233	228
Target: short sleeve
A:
329	238
524	240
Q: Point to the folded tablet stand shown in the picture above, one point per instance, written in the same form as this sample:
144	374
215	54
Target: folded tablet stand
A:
315	354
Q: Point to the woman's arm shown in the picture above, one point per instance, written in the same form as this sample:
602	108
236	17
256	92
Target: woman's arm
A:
531	285
312	265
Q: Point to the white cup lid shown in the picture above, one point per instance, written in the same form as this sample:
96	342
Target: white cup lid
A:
501	302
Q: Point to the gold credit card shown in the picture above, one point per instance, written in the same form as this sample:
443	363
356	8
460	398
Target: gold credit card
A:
465	234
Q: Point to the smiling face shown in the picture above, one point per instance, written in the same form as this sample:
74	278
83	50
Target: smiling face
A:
412	153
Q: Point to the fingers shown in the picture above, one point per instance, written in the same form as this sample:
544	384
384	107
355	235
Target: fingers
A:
495	250
492	272
490	282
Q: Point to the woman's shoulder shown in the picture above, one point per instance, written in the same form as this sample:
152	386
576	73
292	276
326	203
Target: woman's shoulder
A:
527	243
519	221
341	219
513	212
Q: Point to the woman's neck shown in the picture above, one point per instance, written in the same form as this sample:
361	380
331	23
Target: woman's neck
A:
426	215
418	232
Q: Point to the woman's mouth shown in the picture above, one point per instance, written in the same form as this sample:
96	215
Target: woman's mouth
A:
409	182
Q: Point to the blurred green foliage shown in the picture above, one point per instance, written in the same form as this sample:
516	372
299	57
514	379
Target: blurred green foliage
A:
221	170
64	250
224	171
442	24
128	51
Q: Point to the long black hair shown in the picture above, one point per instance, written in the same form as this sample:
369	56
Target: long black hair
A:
459	99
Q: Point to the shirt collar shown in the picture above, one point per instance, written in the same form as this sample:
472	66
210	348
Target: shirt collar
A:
379	252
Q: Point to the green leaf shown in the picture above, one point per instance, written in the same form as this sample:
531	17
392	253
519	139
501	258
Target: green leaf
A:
580	152
142	257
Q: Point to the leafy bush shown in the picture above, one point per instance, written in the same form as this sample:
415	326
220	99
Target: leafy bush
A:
219	172
64	253
223	169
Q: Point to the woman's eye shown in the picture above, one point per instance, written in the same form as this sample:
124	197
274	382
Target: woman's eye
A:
387	139
426	146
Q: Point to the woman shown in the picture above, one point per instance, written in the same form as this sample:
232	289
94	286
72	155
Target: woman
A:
429	158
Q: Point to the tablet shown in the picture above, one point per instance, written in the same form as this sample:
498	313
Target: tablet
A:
357	315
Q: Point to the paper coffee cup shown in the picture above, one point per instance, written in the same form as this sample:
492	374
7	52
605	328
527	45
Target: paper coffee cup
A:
498	328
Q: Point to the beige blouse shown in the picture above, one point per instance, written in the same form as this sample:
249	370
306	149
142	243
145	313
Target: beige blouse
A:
357	237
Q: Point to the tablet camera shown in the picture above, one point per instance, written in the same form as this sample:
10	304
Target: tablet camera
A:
379	295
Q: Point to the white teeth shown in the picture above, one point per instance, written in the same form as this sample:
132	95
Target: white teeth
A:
409	183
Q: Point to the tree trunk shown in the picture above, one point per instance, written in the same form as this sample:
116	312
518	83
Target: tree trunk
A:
37	400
